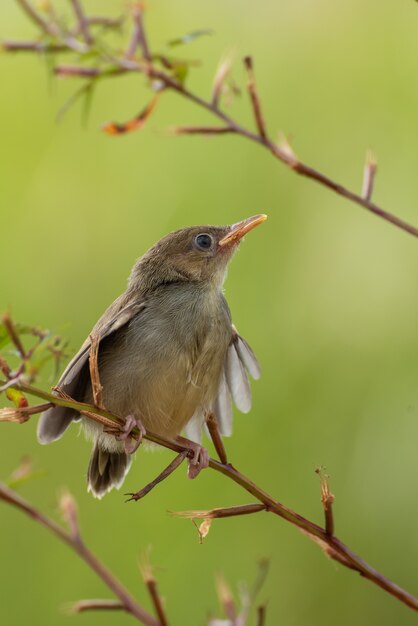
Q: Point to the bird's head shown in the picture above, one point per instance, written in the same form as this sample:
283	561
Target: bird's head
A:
198	254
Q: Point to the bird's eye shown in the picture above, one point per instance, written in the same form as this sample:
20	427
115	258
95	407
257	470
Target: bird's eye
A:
203	241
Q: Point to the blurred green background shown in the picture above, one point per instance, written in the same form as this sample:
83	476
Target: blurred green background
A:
325	293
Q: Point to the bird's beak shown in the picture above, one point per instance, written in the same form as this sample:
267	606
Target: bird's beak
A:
238	230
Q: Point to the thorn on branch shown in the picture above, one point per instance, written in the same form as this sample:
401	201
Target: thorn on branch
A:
327	499
370	169
255	100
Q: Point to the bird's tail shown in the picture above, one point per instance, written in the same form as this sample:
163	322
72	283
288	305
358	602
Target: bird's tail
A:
106	470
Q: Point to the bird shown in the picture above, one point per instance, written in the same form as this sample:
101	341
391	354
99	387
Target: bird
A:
168	354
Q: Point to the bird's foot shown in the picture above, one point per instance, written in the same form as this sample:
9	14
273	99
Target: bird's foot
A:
200	459
132	442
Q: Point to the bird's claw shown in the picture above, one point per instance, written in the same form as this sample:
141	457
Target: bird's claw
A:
130	441
199	461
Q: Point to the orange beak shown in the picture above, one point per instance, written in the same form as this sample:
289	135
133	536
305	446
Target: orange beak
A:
238	230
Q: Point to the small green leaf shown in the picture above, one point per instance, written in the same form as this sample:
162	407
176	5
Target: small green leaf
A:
189	37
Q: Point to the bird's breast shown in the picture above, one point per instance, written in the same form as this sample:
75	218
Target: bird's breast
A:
168	363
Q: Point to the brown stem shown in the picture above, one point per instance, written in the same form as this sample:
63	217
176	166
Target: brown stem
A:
156	599
96	385
36	18
83	23
331	545
82	606
260	137
74	541
212	424
255	100
14	336
138	37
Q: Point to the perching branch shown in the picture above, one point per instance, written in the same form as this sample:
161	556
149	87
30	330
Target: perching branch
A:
73	539
169	74
330	544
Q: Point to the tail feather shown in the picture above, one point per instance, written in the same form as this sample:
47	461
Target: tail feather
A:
54	422
106	470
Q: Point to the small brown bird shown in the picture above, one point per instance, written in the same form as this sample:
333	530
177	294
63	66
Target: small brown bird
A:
168	353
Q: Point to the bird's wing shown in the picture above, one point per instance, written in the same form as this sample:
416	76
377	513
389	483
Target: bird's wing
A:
55	421
240	361
234	385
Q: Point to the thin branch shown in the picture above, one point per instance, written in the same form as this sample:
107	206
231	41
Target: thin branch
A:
218	513
96	385
83	23
14	336
331	545
32	46
33	15
82	606
203	130
213	427
75	543
261	615
327	499
125	65
255	100
138	37
370	169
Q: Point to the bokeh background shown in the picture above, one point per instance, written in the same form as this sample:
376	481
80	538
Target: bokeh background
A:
325	293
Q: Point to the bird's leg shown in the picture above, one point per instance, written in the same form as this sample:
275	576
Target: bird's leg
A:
131	442
164	474
200	459
215	435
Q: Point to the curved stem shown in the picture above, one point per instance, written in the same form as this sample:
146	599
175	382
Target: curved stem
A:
331	545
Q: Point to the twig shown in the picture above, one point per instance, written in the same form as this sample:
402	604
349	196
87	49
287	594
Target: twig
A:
261	615
82	606
14	336
331	545
212	424
138	37
96	385
203	130
75	70
45	26
212	106
164	474
75	542
83	22
370	168
327	499
152	587
32	46
255	100
218	513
